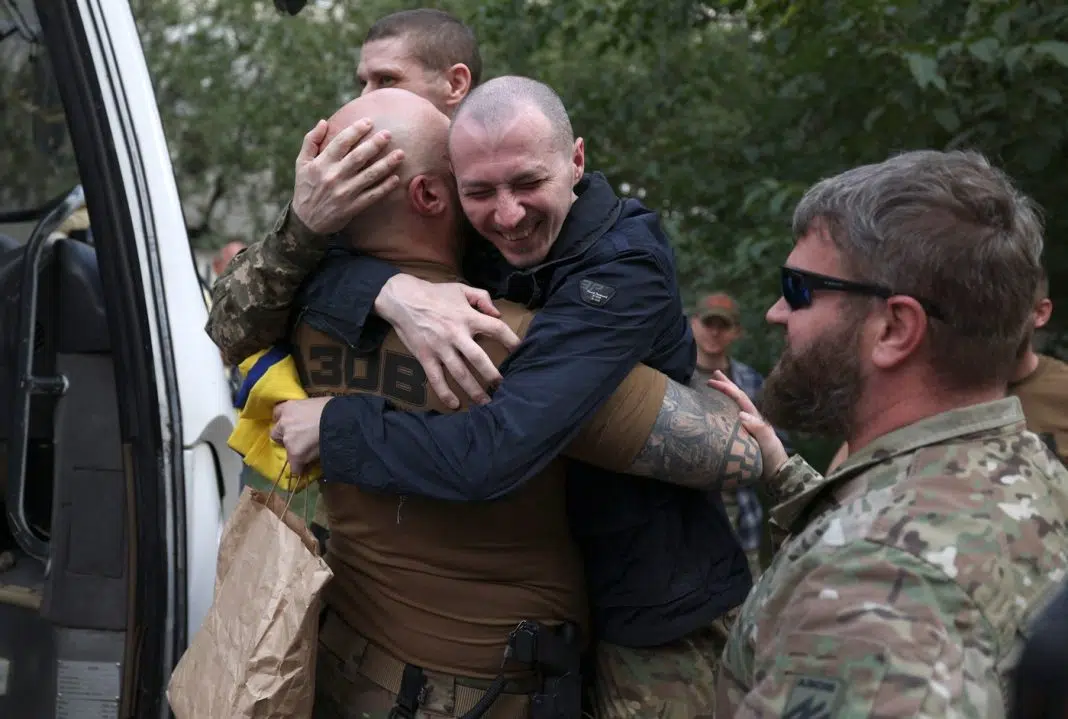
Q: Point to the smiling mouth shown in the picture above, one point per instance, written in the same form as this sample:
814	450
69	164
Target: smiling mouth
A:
520	236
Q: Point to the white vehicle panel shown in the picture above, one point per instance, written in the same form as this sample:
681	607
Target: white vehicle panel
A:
172	294
204	520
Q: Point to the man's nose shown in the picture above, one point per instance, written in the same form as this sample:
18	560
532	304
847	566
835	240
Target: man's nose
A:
509	213
778	312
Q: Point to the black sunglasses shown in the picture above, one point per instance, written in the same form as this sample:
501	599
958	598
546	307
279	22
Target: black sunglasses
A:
798	286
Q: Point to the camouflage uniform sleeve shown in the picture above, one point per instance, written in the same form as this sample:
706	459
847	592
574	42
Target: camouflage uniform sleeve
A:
792	478
871	630
787	494
252	297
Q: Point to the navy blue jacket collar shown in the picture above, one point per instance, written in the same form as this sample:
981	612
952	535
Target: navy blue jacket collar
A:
594	211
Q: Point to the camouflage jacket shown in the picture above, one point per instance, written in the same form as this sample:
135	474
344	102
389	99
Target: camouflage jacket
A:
908	578
251	299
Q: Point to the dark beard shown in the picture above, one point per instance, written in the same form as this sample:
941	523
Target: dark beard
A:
817	389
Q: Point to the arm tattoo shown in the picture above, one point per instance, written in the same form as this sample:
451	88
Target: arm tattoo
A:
698	441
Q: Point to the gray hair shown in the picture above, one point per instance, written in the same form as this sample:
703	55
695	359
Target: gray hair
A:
498	101
951	229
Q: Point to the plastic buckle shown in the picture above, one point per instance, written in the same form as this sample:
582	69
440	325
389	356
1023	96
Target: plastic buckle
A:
523	643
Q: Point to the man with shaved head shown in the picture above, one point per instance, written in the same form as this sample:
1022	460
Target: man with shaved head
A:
427	595
517	164
663	565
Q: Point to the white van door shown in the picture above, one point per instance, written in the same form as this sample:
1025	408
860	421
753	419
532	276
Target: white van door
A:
117	477
197	416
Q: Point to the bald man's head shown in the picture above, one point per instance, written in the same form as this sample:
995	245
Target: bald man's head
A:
416	125
419	220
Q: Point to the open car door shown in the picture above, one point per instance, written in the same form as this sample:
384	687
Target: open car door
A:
114	471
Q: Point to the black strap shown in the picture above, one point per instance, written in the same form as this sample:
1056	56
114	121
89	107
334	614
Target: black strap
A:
411	695
550	651
554	656
483	705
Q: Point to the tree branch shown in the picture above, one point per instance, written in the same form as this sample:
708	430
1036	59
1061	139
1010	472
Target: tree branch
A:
217	192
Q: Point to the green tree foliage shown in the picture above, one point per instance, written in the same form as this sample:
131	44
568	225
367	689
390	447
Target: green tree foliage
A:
854	81
718	114
31	122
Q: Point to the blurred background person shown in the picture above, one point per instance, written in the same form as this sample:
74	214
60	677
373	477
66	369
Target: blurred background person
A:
1041	382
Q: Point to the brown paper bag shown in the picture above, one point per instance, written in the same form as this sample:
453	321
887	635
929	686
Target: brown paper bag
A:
254	655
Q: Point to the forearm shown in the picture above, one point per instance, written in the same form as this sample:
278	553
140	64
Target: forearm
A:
482	454
698	441
251	299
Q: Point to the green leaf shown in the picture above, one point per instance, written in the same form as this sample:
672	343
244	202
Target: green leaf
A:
949	50
1049	94
1013	56
1002	25
924	69
985	50
778	202
947	118
1053	48
872	117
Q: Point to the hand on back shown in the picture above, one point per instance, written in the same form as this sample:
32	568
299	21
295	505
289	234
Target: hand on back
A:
438	323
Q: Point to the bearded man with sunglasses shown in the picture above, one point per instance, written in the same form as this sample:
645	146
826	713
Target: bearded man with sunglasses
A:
911	572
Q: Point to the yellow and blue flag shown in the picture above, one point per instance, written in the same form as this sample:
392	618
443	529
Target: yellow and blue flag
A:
270	377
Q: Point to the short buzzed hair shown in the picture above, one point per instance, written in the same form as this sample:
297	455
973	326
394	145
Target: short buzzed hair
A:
1043	285
501	99
438	40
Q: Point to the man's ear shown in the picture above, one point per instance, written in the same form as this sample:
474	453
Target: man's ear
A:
428	195
1043	311
578	160
900	330
459	79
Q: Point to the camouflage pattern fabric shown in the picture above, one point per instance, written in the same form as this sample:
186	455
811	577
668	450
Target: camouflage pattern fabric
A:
351	680
251	299
674	681
362	698
343	694
741	505
305	504
357	697
909	577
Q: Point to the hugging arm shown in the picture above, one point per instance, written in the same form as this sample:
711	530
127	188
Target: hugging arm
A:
698	441
655	427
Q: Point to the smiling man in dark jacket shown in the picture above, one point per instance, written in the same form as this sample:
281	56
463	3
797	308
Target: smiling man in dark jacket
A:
662	562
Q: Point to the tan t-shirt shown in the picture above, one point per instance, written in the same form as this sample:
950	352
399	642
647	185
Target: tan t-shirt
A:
1044	397
441	584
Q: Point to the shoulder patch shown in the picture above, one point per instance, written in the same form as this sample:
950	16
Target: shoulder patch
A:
596	293
812	698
